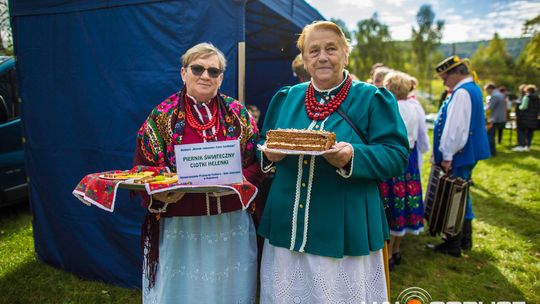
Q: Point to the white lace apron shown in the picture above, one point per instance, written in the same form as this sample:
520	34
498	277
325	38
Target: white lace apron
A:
293	277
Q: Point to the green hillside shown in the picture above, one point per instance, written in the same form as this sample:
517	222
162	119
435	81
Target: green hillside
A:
467	49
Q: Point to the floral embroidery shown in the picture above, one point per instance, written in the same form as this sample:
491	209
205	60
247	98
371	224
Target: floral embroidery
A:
413	187
400	221
399	189
403	194
166	105
384	188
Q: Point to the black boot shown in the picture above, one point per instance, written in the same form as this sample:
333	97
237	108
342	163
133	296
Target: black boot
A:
466	240
391	264
397	258
451	246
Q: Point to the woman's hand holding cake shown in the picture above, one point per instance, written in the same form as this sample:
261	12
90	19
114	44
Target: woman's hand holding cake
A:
339	155
274	156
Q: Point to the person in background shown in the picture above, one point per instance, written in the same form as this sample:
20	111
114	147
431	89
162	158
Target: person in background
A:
459	138
527	118
202	249
422	140
403	193
373	68
298	69
324	220
445	94
254	112
496	109
378	76
507	109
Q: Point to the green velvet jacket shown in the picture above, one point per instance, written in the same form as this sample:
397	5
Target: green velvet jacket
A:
316	208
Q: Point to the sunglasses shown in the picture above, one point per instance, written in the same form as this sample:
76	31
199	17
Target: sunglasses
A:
198	70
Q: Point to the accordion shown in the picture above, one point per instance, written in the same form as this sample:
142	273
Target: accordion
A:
445	202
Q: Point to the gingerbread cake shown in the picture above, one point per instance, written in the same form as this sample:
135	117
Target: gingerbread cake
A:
300	140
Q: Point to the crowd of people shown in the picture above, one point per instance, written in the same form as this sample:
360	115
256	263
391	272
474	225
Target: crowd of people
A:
525	116
333	223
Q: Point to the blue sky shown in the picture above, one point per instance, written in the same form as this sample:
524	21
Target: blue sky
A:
465	20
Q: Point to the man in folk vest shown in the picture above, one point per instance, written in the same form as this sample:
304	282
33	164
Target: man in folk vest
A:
460	139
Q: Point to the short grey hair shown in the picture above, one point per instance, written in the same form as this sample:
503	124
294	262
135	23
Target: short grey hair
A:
203	50
398	83
323	25
381	72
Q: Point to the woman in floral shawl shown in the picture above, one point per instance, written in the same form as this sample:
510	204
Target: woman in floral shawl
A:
203	248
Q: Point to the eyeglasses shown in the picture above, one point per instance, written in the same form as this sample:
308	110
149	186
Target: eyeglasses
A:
198	70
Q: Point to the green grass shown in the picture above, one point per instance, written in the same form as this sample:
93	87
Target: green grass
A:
503	265
24	279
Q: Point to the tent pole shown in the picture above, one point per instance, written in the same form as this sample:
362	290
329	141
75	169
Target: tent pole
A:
241	71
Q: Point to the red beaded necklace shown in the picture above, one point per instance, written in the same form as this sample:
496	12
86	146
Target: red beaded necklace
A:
317	111
199	127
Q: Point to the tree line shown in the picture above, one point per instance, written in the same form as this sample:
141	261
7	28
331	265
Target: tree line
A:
419	55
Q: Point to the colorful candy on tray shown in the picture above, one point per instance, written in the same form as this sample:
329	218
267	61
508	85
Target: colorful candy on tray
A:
144	177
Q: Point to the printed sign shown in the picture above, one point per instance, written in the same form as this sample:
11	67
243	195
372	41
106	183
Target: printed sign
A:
211	163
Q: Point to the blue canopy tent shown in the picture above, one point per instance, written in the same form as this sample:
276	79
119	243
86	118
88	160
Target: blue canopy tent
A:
90	72
272	28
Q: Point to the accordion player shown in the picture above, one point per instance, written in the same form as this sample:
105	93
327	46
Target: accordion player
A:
445	202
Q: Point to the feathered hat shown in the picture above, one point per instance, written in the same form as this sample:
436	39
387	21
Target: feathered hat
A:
452	62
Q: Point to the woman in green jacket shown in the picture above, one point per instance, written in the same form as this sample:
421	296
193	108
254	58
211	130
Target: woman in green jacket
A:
324	221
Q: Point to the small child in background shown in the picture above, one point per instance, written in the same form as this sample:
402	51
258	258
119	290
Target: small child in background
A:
255	112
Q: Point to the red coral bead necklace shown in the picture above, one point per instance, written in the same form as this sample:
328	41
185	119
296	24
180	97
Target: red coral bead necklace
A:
200	127
317	111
